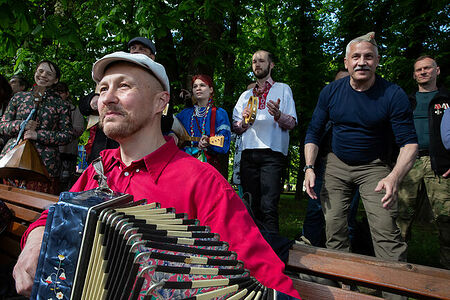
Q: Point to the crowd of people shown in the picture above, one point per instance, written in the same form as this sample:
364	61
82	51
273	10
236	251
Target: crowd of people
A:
366	140
384	144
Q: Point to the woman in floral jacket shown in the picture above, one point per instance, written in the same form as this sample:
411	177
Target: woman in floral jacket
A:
49	128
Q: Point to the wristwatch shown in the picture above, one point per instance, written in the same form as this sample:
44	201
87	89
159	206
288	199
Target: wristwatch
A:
308	167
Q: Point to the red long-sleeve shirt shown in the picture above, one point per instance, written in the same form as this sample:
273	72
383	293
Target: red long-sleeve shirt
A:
175	179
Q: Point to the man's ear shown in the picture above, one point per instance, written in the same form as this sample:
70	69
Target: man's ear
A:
438	70
161	100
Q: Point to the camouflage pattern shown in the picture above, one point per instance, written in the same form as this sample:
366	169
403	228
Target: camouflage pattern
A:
419	184
54	126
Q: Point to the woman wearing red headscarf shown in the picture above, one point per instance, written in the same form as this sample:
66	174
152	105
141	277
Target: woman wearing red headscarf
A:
205	120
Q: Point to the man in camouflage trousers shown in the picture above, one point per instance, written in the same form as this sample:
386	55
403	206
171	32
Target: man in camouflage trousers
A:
430	175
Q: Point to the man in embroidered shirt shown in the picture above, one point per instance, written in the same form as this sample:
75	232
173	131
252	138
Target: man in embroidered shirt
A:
364	109
430	176
133	93
265	142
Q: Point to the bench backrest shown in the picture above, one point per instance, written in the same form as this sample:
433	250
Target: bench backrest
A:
26	206
397	277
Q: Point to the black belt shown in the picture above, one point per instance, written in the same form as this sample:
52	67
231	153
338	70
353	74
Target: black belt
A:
424	152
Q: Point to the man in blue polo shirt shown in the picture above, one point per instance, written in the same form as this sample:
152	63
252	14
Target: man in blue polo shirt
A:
366	111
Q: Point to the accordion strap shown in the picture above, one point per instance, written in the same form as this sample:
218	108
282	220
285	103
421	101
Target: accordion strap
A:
100	176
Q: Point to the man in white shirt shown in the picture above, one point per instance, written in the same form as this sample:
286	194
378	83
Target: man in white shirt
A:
265	141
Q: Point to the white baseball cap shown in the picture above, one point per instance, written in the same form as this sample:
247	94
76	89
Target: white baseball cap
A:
98	69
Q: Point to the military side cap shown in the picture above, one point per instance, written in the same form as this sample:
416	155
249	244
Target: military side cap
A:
369	37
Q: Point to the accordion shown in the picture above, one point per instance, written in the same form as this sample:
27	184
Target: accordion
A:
102	245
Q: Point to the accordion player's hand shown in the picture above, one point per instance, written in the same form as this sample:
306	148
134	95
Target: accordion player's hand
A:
25	267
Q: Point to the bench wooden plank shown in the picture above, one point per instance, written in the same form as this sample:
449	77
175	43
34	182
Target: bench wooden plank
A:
370	271
23	213
24	199
40	195
372	261
17	229
26	206
313	291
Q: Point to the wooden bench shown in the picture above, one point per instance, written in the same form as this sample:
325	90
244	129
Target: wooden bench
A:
26	206
407	279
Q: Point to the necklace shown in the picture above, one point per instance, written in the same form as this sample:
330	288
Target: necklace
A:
200	112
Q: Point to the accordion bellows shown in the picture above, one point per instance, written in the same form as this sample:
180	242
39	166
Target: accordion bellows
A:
99	245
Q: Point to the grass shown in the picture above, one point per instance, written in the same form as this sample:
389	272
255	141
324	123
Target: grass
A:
424	245
423	248
291	215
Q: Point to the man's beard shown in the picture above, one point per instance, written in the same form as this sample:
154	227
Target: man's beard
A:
263	73
119	130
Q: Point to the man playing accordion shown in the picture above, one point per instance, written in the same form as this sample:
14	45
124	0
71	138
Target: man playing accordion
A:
134	90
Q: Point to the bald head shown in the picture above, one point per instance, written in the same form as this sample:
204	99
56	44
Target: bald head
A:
131	101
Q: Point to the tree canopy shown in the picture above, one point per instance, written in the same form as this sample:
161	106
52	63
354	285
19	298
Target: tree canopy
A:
218	37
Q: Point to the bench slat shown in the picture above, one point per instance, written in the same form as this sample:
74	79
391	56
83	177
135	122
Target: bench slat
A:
23	213
40	195
17	229
26	206
370	260
409	278
313	291
20	199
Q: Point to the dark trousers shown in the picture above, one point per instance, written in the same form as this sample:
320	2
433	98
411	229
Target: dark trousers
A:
261	173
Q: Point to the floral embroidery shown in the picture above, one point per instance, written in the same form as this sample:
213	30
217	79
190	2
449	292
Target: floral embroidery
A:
55	278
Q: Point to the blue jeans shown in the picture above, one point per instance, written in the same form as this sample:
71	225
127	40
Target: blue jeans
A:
314	224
